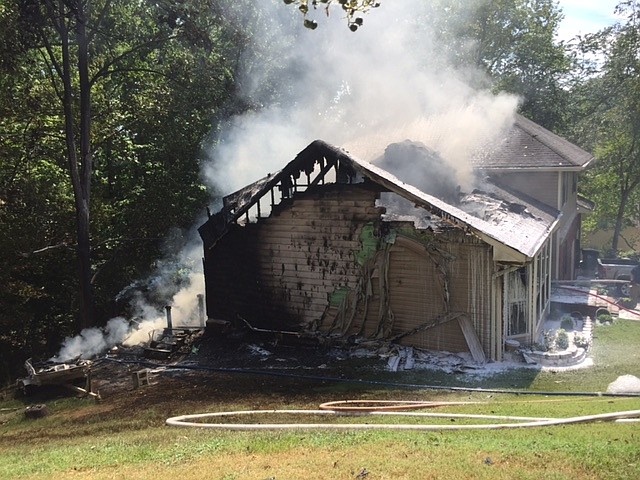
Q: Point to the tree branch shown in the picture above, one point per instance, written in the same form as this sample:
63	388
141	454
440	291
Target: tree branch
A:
47	249
105	69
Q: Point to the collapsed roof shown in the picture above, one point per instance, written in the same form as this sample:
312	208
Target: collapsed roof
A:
515	225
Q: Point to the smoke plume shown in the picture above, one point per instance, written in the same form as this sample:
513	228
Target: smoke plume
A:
387	82
177	281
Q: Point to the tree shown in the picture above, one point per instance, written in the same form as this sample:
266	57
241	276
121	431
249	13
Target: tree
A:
152	104
82	45
609	112
352	9
513	41
160	74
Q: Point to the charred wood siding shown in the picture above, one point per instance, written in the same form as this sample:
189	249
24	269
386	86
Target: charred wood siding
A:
424	286
414	283
417	295
233	285
307	266
470	284
282	271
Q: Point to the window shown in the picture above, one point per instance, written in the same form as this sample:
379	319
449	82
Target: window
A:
516	302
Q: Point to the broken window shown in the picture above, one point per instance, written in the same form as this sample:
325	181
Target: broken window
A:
516	304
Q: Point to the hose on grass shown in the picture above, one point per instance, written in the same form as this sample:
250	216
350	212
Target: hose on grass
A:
353	406
521	422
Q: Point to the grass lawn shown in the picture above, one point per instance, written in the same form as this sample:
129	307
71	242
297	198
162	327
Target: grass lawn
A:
124	437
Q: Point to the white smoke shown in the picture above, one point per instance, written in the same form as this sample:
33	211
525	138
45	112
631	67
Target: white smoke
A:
93	341
184	312
387	82
177	282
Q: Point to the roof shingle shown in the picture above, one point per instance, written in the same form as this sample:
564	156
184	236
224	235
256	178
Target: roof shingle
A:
528	146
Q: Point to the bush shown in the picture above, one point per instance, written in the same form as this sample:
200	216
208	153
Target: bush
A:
546	341
581	341
562	339
567	322
604	318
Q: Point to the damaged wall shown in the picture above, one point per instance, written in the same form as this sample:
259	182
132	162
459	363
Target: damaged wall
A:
282	270
325	260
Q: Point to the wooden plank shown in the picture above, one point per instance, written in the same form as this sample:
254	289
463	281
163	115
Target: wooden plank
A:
302	203
316	304
346	193
305	273
315	288
418	326
277	254
312	221
319	239
340	215
473	342
322	236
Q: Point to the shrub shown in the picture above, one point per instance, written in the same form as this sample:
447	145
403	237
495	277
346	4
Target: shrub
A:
604	318
562	339
567	322
581	341
546	341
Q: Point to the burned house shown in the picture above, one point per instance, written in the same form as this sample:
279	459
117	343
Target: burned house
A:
334	244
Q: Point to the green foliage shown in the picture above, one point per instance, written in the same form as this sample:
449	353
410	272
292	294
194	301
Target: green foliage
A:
160	72
514	42
608	109
581	341
351	8
567	322
604	318
547	341
562	339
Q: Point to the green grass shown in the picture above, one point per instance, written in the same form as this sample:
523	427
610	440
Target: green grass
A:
81	439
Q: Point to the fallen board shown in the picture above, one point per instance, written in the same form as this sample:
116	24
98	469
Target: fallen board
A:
475	347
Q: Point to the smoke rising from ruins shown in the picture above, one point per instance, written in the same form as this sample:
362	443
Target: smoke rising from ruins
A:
387	82
176	281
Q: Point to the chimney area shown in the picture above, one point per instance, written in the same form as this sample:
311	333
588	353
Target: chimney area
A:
169	323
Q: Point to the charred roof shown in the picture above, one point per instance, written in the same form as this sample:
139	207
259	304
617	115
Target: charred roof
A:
499	216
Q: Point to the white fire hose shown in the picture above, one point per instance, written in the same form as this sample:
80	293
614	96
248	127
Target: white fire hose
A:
519	422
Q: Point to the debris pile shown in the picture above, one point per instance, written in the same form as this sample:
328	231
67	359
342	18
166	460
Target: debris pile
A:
50	373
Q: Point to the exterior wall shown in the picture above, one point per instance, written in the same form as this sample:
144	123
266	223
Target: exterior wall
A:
568	241
526	297
325	260
568	237
299	257
558	190
543	186
425	284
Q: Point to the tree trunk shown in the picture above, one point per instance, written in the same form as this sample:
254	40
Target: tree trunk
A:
624	197
80	171
84	238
